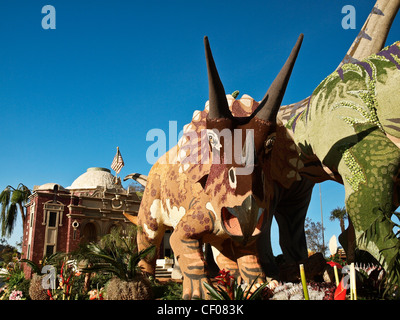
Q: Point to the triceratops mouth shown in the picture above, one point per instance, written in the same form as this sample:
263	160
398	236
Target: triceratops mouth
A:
243	223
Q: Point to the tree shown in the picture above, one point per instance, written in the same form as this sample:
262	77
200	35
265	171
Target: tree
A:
6	252
341	215
139	188
117	253
314	236
12	199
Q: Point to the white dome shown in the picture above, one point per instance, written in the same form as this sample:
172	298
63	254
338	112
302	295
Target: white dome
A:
51	186
93	178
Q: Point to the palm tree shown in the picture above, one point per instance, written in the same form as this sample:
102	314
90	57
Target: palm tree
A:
12	199
117	254
341	215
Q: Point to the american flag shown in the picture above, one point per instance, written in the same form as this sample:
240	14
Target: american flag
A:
118	162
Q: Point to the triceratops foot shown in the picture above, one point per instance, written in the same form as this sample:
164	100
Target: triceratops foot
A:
193	287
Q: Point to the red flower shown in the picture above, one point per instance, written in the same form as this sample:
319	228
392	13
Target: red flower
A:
49	294
332	264
225	279
340	292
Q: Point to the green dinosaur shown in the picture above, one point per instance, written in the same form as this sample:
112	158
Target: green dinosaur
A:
351	130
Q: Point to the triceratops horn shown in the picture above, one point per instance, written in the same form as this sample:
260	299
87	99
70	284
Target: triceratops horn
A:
218	105
269	106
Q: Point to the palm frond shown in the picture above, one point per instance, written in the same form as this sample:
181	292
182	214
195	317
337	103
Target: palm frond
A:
11	218
17	196
36	268
26	193
142	254
5	196
53	258
4	202
216	295
122	263
255	295
239	292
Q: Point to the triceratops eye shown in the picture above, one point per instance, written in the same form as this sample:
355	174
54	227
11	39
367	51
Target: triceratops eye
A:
269	143
232	178
213	139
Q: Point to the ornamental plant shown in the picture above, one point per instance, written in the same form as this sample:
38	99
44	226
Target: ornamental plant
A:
16	295
117	254
67	278
14	279
96	294
228	288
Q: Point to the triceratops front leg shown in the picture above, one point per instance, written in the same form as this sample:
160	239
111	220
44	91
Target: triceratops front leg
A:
186	241
150	233
249	263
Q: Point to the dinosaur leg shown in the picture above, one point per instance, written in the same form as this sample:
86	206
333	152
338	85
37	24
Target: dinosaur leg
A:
150	232
249	263
225	257
369	169
186	241
213	268
265	251
290	215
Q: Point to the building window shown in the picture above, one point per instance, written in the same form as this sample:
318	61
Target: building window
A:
32	214
49	250
52	219
30	230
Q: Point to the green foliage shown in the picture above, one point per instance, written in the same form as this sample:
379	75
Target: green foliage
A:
235	94
10	200
170	290
313	231
238	292
99	280
229	289
14	280
52	259
339	213
116	254
7	252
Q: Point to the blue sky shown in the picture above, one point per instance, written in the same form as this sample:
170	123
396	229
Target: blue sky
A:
113	70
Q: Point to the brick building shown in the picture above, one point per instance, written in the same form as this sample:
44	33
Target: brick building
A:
59	219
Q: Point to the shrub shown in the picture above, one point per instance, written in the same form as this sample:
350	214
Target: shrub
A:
138	288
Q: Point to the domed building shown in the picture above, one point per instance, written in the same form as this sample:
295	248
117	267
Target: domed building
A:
59	219
93	178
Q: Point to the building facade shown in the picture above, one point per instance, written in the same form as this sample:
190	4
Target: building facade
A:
59	219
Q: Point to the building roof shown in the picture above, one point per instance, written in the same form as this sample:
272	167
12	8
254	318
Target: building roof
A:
50	186
92	178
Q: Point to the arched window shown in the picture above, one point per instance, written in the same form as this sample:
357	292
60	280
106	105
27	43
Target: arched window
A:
89	233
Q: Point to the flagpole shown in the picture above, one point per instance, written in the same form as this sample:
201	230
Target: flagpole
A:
117	164
116	174
322	219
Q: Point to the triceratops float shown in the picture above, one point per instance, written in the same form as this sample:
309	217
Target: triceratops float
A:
238	163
